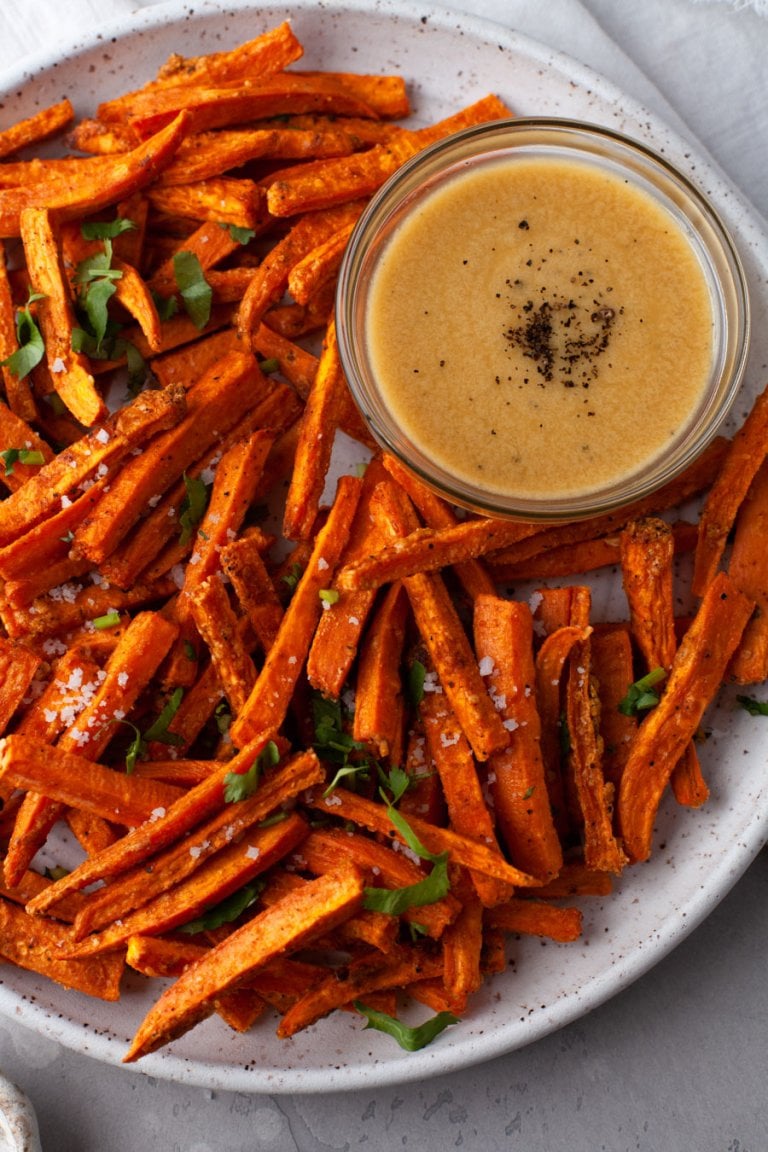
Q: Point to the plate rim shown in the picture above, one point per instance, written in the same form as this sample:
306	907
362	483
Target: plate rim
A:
394	1068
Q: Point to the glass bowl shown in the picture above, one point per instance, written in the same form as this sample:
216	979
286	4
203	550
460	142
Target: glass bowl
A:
542	319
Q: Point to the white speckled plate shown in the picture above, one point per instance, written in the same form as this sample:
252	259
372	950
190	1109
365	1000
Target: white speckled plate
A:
449	60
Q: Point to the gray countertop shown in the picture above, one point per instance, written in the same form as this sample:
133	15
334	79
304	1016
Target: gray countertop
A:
676	1061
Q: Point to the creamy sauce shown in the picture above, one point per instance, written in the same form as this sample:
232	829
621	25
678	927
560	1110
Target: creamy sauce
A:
540	327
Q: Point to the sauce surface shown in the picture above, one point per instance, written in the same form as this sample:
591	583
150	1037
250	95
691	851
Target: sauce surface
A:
540	327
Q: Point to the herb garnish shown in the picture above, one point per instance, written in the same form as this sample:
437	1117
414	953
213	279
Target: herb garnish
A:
194	289
11	456
31	347
241	785
640	695
411	1039
192	507
224	912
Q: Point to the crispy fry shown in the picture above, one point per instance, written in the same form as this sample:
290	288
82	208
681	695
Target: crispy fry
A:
697	670
115	178
378	718
40	126
470	853
38	944
535	918
444	637
268	702
747	569
503	632
81	783
292	922
210	878
218	626
74	383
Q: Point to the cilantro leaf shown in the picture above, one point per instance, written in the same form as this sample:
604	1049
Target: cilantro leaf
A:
11	456
109	620
272	364
395	901
106	229
192	506
398	781
411	1039
754	707
224	912
167	306
241	785
96	278
195	291
292	576
31	347
640	695
329	596
237	232
159	730
417	675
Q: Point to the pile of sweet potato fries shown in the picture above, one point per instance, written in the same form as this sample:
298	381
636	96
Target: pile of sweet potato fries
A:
338	768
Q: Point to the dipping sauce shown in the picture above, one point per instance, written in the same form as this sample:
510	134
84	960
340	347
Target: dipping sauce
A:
540	327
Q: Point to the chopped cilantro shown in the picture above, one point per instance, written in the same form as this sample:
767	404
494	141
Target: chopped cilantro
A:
11	456
292	576
237	232
31	347
106	229
195	291
167	306
329	596
417	675
411	1039
224	912
159	730
754	707
241	785
640	695
96	278
395	901
270	365
109	620
192	507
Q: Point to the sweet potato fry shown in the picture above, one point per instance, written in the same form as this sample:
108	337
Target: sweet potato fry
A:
690	483
115	178
470	853
469	815
536	918
18	666
270	284
189	810
316	434
382	867
746	453
38	944
242	562
503	632
74	383
647	550
747	568
307	913
697	670
269	52
40	126
436	514
362	977
17	389
270	697
378	718
219	628
104	446
214	404
80	783
219	199
444	636
209	880
551	660
612	661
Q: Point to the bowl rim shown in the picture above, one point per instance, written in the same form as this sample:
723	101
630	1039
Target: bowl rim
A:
442	157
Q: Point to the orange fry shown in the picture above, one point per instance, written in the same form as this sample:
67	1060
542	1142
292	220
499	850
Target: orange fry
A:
697	671
289	924
270	698
503	632
33	129
115	178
